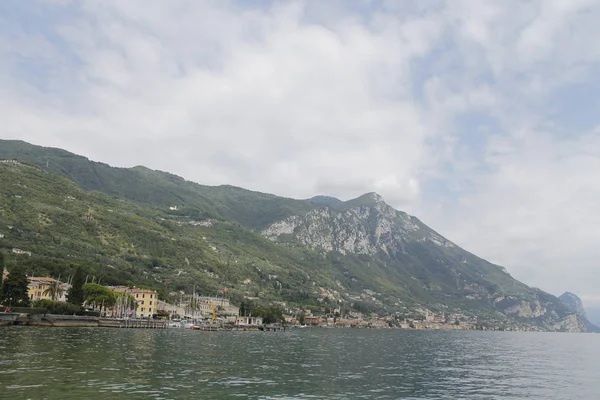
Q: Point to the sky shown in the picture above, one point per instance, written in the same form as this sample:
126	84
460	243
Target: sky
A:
479	117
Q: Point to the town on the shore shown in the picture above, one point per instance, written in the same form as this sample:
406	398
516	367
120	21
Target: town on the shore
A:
131	306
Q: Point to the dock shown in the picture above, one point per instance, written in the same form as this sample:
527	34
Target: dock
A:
133	323
52	320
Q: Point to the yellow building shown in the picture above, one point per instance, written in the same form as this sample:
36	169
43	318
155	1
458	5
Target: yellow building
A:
38	289
146	300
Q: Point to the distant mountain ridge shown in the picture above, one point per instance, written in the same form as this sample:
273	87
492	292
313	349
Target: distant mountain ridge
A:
574	303
361	253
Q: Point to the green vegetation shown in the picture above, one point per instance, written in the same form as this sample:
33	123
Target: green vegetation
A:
1	272
28	310
99	296
75	294
57	307
153	229
270	314
54	290
158	189
116	241
14	289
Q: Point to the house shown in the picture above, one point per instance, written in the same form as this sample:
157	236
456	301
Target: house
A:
170	308
377	323
248	321
312	320
38	288
19	251
204	305
146	300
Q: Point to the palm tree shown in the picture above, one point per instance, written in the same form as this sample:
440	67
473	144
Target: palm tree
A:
54	290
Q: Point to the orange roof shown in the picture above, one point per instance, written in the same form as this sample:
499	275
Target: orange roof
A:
35	279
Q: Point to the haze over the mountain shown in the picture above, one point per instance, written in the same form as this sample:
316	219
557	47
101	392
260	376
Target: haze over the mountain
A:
152	227
593	314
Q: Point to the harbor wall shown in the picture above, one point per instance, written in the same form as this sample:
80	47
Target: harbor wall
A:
51	320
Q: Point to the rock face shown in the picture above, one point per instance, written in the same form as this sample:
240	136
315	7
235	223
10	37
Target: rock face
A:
417	259
571	323
574	303
371	227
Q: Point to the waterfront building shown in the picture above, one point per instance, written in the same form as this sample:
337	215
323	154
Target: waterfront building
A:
172	310
146	300
312	320
248	321
39	288
202	306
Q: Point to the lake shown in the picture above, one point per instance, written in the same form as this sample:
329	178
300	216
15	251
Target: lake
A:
61	363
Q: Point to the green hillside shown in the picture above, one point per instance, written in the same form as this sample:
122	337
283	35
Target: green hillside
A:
120	241
144	227
156	188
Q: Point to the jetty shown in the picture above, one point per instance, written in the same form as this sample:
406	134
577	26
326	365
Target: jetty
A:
133	323
51	320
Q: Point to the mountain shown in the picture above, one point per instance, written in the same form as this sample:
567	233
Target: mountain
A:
158	189
574	303
328	201
136	225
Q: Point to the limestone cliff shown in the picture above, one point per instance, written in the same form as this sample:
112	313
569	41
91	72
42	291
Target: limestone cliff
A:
574	303
420	261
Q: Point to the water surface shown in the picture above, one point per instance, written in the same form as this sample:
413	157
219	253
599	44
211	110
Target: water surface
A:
64	363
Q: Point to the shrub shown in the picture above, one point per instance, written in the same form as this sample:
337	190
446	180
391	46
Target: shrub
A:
87	313
57	307
27	310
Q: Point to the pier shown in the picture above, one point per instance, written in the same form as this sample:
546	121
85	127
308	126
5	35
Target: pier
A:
133	323
52	320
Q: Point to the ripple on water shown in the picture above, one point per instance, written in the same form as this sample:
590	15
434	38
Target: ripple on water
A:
305	364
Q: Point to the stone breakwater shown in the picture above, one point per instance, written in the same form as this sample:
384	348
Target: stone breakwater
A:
51	320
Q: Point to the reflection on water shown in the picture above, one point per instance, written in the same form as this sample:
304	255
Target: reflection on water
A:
309	363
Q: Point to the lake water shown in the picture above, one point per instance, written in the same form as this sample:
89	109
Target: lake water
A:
79	363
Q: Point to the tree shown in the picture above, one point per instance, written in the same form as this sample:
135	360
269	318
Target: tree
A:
15	288
269	314
1	272
56	307
75	294
54	290
99	296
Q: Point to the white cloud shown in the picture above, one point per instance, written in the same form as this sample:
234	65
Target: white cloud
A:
299	98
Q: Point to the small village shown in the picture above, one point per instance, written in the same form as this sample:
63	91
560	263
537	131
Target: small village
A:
200	312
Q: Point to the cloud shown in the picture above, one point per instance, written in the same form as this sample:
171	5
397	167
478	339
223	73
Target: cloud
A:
452	110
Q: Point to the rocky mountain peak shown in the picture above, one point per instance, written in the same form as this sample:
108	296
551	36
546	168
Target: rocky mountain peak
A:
573	302
365	225
367	199
376	197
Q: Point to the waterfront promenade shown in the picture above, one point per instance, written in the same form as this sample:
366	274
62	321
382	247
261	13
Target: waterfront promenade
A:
51	320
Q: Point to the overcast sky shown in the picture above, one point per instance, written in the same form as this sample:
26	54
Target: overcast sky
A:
482	118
